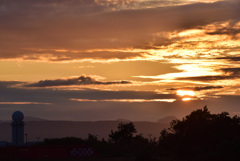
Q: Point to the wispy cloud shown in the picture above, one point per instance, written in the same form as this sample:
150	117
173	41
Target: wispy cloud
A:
24	103
208	78
124	100
146	49
49	95
231	71
9	83
82	80
197	88
86	25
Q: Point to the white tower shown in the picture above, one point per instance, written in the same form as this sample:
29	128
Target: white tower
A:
17	128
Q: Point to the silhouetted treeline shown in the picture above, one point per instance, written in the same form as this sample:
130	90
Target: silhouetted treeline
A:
200	136
121	143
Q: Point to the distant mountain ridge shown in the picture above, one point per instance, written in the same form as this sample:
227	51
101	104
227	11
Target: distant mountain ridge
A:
30	118
27	118
167	120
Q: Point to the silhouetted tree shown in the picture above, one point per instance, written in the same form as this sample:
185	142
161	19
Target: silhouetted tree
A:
126	144
124	134
92	139
199	134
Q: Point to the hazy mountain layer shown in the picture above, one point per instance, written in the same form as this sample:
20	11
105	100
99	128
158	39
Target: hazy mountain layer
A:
38	130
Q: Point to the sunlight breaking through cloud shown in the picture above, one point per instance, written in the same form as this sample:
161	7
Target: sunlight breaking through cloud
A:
153	52
125	100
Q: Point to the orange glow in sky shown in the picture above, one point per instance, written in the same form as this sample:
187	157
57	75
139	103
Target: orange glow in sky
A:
186	99
185	93
111	59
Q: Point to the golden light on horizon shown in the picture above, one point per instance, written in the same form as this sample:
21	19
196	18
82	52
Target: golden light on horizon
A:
185	93
186	99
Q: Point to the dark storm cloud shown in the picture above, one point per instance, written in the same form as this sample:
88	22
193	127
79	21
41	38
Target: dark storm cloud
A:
85	25
197	88
82	80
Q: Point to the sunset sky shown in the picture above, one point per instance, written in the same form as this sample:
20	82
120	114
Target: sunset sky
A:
118	59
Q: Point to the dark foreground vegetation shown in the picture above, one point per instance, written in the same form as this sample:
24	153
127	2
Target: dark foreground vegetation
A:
200	136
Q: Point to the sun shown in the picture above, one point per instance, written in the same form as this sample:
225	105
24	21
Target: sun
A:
186	94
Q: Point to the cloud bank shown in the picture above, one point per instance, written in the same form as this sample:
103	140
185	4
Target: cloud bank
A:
156	45
197	88
65	30
82	80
